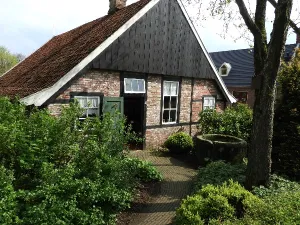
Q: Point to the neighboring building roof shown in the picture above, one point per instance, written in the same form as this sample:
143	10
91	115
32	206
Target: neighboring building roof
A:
242	64
46	71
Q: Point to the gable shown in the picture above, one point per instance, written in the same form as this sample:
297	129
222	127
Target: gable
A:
160	42
183	53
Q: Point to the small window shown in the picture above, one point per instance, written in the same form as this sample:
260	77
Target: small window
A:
170	101
241	96
90	104
225	69
133	85
209	103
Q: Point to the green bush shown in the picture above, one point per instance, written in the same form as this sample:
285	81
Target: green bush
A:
235	121
62	174
143	170
279	203
230	201
286	138
179	142
8	202
218	172
284	196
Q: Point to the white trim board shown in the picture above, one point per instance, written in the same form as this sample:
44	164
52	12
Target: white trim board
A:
39	98
42	96
219	80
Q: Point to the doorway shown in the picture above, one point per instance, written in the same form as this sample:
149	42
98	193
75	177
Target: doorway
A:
134	111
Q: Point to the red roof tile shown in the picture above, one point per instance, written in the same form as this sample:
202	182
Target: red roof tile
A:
59	55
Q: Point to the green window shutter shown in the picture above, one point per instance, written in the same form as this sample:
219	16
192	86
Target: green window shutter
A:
113	105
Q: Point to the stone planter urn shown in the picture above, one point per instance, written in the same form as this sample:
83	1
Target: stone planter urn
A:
213	147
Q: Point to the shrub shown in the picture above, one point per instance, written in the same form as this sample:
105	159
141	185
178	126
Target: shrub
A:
286	139
229	201
63	175
143	170
284	196
235	121
179	143
8	202
218	172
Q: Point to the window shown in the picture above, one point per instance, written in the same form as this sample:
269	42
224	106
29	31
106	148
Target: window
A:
170	101
241	96
133	85
90	104
209	103
224	69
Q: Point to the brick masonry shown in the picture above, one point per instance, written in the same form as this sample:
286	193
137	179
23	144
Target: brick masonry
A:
108	83
155	136
153	100
98	81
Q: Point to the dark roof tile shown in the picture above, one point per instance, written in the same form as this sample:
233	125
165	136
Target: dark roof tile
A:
242	64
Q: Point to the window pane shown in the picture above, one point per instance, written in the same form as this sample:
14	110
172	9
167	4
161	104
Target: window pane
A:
167	88
141	85
173	102
173	116
167	102
93	112
134	84
93	102
206	101
166	116
82	102
84	115
128	85
174	88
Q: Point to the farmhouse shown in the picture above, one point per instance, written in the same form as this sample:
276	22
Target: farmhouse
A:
145	60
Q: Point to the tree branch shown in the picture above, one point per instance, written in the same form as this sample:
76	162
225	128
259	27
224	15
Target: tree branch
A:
247	18
293	25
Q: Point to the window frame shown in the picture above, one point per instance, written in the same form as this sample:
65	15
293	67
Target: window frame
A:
210	97
224	66
235	93
87	96
170	108
134	92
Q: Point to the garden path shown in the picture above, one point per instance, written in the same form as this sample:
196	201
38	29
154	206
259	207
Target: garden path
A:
177	184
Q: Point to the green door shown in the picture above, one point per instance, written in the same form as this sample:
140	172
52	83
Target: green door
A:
113	105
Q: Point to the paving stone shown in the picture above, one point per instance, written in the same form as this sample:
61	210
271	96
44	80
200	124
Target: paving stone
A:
177	184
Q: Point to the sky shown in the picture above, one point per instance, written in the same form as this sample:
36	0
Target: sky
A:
27	25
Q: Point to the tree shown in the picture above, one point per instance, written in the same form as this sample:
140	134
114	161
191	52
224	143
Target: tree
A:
8	60
267	58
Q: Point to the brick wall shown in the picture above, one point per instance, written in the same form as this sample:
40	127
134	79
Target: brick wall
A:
104	82
205	88
108	83
156	134
185	100
153	100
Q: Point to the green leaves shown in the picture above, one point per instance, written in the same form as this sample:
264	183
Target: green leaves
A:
235	121
7	60
217	203
179	142
54	173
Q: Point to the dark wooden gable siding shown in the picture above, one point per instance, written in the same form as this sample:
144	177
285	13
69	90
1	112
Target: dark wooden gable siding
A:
161	42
